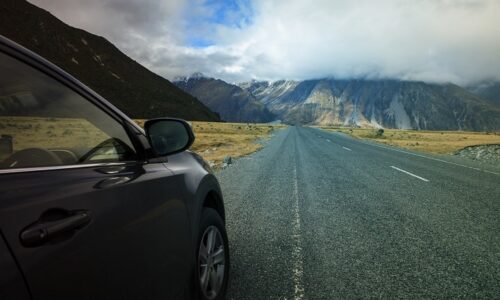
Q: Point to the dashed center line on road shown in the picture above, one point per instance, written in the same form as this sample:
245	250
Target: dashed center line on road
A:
411	174
298	268
346	148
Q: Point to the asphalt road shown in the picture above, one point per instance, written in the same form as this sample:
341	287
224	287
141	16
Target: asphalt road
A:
319	215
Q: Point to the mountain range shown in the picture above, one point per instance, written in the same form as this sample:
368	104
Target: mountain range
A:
96	62
377	103
349	102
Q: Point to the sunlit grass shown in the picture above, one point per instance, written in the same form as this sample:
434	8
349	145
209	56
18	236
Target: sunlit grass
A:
438	142
216	140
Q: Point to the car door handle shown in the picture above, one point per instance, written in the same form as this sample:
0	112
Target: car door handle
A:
43	231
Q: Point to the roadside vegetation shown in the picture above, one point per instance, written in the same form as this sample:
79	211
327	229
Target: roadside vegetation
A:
437	142
216	141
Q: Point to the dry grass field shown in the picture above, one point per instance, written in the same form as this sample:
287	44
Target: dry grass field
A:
214	140
438	142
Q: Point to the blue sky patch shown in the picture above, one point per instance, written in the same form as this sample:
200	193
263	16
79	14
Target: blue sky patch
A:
228	13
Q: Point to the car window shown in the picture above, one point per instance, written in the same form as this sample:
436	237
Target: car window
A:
45	123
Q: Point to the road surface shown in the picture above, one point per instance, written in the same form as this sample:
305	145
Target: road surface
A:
319	215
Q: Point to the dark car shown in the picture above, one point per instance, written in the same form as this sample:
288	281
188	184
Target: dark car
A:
94	207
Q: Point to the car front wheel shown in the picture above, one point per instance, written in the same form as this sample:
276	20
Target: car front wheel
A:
213	256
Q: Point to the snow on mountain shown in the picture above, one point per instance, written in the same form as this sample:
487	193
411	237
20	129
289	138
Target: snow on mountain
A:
376	103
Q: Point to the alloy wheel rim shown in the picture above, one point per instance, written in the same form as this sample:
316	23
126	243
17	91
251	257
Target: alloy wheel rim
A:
211	262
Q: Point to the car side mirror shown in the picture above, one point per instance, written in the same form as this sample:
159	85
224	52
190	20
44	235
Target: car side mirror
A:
168	136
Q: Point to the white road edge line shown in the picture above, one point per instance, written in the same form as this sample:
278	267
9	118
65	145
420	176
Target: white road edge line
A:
432	158
346	148
411	174
298	268
423	156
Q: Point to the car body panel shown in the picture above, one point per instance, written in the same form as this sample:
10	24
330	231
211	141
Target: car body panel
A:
12	284
144	216
200	183
137	244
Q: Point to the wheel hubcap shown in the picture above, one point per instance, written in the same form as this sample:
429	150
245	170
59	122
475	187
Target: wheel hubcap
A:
211	261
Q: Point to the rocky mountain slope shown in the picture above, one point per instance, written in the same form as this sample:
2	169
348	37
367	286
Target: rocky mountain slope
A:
377	103
96	62
487	90
232	102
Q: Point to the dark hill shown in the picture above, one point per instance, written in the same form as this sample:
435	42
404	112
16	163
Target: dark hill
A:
96	62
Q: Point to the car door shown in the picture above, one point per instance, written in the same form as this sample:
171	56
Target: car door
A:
85	215
12	284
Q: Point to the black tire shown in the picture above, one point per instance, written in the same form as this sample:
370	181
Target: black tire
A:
210	219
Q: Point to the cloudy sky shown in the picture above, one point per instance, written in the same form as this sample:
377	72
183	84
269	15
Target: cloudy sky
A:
236	40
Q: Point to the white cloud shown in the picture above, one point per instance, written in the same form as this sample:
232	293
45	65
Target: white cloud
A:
430	40
139	28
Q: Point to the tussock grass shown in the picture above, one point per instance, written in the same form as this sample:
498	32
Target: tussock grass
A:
437	142
215	140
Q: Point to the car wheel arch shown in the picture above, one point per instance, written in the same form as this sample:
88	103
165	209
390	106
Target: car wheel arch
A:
214	200
207	194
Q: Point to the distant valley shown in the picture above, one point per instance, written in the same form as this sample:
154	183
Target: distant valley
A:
230	101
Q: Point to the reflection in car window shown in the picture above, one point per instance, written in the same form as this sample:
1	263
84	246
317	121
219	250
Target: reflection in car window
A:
44	123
